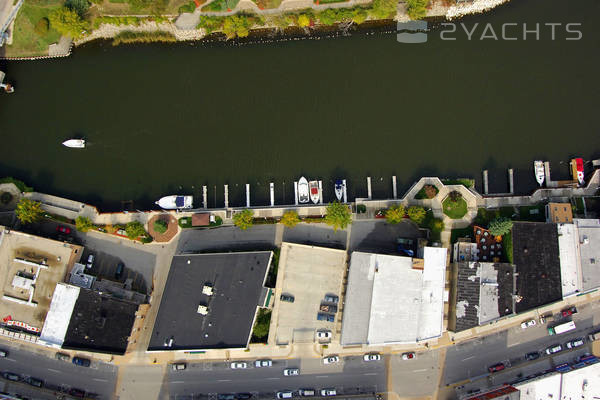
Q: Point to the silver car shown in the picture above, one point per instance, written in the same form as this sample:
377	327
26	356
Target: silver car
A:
239	365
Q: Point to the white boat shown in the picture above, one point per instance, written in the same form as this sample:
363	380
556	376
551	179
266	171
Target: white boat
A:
314	191
175	202
339	189
74	143
303	190
540	172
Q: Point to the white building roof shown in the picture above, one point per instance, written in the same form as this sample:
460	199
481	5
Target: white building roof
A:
488	292
589	252
389	301
581	384
59	315
546	388
569	261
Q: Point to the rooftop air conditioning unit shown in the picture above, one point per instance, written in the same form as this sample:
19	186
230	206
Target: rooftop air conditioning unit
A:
202	310
207	290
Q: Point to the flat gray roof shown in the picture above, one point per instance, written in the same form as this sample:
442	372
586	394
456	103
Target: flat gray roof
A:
589	250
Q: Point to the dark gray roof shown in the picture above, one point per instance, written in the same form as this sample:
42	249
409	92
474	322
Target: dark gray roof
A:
536	255
237	280
100	323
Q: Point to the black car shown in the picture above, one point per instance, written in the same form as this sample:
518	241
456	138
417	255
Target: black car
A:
287	297
534	355
82	362
11	376
119	270
34	382
77	393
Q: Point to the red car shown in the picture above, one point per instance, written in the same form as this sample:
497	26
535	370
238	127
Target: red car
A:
569	311
496	368
63	229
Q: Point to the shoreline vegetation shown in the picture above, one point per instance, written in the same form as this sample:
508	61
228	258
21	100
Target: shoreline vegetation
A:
40	23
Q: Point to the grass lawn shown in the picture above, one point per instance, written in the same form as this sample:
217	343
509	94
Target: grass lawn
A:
455	209
221	5
27	43
507	247
267	4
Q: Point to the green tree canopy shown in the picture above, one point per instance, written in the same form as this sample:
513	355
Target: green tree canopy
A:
68	22
83	224
263	322
395	214
290	219
303	20
500	226
416	214
29	211
243	219
160	226
135	229
416	9
383	9
338	215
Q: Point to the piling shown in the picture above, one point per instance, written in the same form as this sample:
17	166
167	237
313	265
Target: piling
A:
295	192
248	195
394	187
485	182
272	189
345	191
369	196
204	195
511	182
226	196
320	192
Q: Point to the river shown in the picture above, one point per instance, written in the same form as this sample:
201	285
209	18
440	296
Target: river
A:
163	119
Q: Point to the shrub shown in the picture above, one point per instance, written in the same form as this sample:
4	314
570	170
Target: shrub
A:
6	198
20	184
500	226
263	322
395	214
437	225
243	219
135	229
218	221
361	209
455	196
42	26
185	222
416	9
160	226
79	6
29	211
68	22
187	8
290	219
83	224
416	214
143	37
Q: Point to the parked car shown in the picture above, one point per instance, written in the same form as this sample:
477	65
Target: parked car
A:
496	368
63	356
331	360
226	396
239	365
546	318
77	393
409	356
325	317
243	396
328	392
330	308
63	229
331	298
90	261
555	348
178	366
3	353
287	297
286	394
528	324
11	376
568	311
82	362
322	335
263	363
575	343
534	355
306	392
34	382
291	372
119	270
372	357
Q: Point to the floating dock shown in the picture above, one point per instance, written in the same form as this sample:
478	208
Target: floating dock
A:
226	187
248	195
369	196
204	195
394	187
272	193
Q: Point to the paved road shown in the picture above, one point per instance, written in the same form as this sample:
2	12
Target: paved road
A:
100	378
471	359
415	378
351	376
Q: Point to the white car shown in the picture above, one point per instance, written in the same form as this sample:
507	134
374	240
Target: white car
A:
372	357
331	360
291	372
239	365
328	392
178	366
288	394
321	335
574	343
409	356
263	363
528	324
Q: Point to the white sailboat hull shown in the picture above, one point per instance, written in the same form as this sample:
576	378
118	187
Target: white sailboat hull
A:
74	143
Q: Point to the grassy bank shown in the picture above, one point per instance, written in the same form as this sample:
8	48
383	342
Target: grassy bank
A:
126	37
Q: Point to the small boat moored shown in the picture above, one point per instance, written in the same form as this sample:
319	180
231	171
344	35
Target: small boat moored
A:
175	202
540	172
8	88
303	196
314	191
577	168
339	189
74	143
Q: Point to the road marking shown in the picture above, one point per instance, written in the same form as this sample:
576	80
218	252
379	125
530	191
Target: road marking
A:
420	370
10	359
99	380
322	376
370	373
272	378
224	380
173	381
54	370
468	358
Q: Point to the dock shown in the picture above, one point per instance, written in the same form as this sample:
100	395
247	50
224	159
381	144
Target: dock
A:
204	196
345	191
394	187
369	195
248	195
485	182
272	193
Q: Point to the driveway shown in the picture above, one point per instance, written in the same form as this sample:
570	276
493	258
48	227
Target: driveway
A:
227	238
380	237
316	235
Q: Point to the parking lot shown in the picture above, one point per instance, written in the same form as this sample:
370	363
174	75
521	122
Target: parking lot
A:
307	274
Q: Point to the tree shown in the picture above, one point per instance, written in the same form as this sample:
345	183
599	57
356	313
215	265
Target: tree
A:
290	219
303	20
359	15
416	9
83	224
416	214
338	215
500	226
243	219
437	225
160	226
263	322
68	22
383	9
134	230
79	6
395	214
29	211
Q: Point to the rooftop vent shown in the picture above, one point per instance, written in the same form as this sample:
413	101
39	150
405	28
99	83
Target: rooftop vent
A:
202	310
207	289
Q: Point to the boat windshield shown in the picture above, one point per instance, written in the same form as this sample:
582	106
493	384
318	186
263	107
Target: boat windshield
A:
179	201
